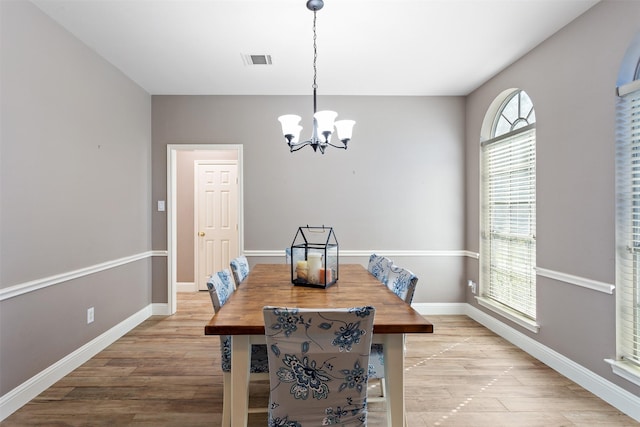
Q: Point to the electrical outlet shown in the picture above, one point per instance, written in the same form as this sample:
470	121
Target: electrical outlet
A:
473	286
90	315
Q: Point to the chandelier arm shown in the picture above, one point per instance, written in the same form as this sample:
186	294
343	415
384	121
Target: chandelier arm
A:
343	146
295	146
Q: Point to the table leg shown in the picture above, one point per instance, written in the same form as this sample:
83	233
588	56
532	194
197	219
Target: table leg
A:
240	359
394	378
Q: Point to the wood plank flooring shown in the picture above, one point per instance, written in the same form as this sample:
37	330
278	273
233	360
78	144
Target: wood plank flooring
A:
167	373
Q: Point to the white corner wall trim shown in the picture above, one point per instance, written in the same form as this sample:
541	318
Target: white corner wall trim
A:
34	285
576	280
606	390
368	252
160	309
19	396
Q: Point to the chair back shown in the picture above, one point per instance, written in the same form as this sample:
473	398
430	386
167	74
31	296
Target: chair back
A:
220	287
402	282
379	266
239	268
318	363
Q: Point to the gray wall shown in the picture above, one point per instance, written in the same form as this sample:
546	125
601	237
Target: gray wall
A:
398	187
75	192
571	79
78	153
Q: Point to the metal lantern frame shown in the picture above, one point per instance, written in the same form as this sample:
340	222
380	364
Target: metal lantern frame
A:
307	242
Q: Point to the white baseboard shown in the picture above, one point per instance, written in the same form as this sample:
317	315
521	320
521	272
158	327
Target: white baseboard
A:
25	392
186	287
436	309
160	309
611	393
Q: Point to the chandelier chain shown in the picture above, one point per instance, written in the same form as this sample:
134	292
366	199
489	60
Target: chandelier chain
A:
315	52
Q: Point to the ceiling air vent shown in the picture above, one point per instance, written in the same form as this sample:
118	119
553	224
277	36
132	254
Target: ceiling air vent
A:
257	59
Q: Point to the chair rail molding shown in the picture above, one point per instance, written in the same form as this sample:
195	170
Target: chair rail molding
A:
34	285
595	285
367	252
570	279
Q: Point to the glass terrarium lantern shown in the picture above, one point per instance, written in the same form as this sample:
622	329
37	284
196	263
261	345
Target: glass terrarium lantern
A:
314	257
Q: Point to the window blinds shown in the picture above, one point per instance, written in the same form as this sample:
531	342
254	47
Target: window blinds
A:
509	216
628	225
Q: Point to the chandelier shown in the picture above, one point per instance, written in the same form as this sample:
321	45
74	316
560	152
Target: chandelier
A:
323	121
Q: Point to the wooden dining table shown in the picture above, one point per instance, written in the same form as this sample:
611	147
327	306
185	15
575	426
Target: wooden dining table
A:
270	284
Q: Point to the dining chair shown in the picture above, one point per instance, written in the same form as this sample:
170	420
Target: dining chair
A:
376	373
379	266
401	282
220	287
318	362
239	268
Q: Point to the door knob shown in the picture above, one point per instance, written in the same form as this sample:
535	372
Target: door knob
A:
201	234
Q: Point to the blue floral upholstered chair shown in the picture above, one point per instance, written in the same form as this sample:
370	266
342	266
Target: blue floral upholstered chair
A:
376	372
379	266
239	268
401	282
220	287
318	362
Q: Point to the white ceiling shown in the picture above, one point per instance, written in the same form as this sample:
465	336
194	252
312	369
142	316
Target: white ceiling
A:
365	47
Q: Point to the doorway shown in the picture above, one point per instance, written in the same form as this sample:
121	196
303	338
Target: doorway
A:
178	233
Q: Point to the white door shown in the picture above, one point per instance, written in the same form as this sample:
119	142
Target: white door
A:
216	219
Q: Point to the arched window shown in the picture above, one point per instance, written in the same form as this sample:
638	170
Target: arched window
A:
628	216
516	112
508	250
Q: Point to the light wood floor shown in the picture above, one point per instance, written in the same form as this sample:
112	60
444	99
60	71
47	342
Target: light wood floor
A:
166	373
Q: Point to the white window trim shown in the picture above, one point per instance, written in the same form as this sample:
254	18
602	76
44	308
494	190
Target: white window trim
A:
626	370
625	143
628	88
509	313
484	300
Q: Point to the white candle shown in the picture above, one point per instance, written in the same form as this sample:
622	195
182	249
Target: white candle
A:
314	261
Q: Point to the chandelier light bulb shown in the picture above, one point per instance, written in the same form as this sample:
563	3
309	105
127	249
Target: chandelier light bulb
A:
344	128
290	126
324	122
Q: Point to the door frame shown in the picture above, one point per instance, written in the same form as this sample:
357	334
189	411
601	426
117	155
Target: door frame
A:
172	154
